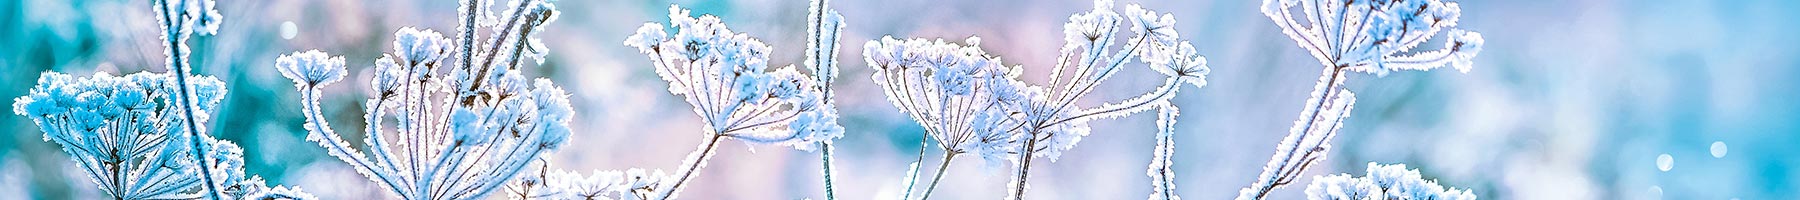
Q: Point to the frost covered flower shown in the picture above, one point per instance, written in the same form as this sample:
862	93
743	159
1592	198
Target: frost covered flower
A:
460	135
951	90
1355	36
127	134
1011	120
725	76
1373	36
1382	182
311	68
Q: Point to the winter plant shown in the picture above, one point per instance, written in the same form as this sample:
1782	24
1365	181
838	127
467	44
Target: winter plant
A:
1382	182
461	131
139	136
1355	36
725	76
969	102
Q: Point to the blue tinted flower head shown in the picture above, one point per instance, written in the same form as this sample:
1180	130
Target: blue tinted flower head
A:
416	47
932	80
1382	182
726	77
93	117
1377	36
461	133
311	68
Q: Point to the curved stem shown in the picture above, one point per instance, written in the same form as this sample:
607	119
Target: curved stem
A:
944	166
1281	168
912	176
696	161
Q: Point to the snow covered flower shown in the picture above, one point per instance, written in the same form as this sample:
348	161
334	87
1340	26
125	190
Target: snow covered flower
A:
950	90
1382	182
127	134
971	103
725	76
460	135
1355	36
311	68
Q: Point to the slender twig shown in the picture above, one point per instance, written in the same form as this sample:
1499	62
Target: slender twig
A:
689	169
944	166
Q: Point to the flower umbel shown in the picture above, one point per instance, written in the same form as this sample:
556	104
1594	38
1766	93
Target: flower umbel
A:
460	135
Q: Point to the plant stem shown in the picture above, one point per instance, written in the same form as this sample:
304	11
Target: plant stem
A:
944	166
912	177
1327	89
1018	192
825	160
697	161
178	65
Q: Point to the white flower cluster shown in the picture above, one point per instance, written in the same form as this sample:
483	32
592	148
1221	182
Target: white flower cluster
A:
1359	36
1382	182
461	134
127	134
1371	36
971	103
725	76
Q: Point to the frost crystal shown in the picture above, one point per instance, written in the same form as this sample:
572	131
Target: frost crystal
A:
1360	36
1382	182
970	102
460	135
725	76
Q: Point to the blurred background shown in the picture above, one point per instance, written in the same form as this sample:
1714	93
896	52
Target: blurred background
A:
1571	99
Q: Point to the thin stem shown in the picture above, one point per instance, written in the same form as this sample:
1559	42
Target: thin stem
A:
1018	192
1330	89
688	170
944	166
178	64
825	160
912	177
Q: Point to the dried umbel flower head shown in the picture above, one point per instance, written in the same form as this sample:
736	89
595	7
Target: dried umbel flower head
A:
1382	182
462	133
1355	36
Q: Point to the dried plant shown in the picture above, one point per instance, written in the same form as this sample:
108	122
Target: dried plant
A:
724	75
460	134
970	102
1362	36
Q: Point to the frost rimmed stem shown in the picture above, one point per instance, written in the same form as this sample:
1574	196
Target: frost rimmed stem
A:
944	166
825	166
1308	141
695	161
175	22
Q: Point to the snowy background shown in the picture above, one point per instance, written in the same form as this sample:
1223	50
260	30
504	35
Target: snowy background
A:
1570	99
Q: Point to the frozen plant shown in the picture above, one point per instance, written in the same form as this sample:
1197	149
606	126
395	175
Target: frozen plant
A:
139	136
970	102
1382	182
458	135
963	97
725	76
1162	165
633	184
127	135
1361	36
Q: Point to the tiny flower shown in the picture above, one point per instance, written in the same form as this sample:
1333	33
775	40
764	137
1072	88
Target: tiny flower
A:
311	68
